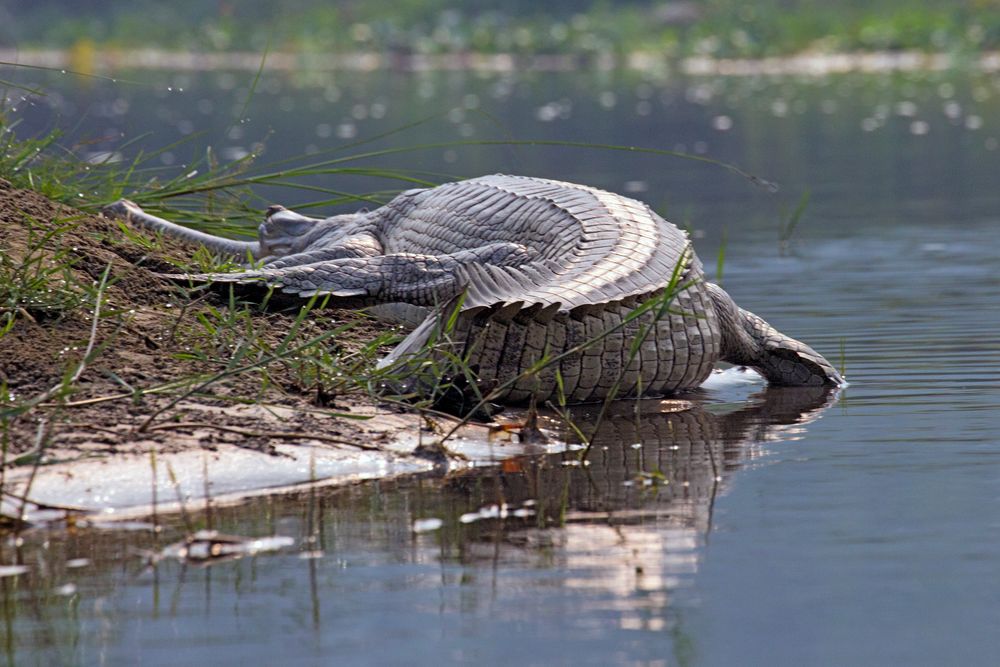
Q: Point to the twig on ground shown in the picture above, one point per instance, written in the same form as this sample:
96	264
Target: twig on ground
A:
250	433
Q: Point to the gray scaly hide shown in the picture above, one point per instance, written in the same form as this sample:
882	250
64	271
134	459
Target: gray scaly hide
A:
538	268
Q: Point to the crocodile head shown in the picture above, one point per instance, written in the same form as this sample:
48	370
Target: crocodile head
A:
285	232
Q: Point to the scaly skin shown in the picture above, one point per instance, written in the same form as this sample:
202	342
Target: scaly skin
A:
543	268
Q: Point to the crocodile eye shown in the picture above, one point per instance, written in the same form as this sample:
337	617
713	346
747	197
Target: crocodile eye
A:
286	224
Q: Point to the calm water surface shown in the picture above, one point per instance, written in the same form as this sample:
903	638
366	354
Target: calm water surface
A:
763	527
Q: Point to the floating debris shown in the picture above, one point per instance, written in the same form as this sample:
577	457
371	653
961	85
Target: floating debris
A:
66	590
139	526
427	525
501	511
675	405
74	563
527	431
647	478
12	570
488	512
206	546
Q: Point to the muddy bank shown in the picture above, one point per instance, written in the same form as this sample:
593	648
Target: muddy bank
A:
150	332
85	404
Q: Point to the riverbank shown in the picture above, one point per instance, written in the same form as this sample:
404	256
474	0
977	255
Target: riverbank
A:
119	386
675	28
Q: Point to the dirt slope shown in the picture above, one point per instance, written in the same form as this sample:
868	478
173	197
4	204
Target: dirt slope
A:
147	324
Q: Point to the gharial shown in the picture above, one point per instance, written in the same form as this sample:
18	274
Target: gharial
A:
542	267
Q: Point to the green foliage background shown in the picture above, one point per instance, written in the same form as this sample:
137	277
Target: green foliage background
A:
710	27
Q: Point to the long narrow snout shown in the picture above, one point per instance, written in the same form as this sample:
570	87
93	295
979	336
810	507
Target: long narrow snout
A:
132	212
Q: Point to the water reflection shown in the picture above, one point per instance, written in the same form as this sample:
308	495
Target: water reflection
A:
614	539
813	133
630	524
872	537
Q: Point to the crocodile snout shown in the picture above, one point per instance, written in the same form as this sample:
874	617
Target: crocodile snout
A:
120	209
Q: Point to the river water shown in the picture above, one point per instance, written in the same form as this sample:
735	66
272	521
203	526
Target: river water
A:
762	527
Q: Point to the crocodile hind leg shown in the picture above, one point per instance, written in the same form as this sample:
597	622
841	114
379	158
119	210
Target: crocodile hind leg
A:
747	340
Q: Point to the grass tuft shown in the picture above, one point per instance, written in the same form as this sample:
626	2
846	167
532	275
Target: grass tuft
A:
41	284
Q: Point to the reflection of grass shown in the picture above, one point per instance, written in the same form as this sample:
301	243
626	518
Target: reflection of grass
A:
843	357
790	222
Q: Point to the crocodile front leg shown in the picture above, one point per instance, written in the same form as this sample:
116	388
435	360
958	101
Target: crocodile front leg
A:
359	245
421	280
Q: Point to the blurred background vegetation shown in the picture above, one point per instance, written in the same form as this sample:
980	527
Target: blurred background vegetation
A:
722	28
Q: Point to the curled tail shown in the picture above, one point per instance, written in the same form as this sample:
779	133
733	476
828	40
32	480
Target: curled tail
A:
747	340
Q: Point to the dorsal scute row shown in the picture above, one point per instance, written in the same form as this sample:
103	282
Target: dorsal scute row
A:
593	246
